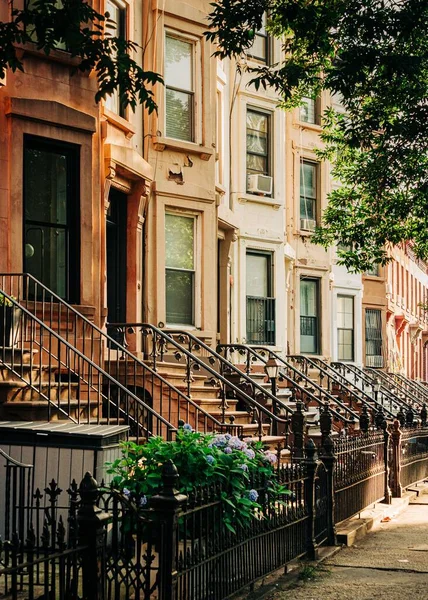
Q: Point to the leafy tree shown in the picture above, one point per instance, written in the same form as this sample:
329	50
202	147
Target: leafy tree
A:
76	26
373	53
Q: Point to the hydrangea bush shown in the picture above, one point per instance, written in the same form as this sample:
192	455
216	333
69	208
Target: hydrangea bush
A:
201	459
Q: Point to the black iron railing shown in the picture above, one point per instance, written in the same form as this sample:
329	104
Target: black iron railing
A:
301	384
415	387
260	320
359	473
336	383
414	452
83	374
183	347
16	496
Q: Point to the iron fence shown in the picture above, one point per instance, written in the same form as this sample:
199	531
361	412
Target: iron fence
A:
359	473
414	452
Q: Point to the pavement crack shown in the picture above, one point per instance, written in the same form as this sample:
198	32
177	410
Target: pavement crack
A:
391	569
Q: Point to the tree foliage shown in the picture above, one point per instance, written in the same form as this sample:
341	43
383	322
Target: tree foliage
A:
86	35
374	54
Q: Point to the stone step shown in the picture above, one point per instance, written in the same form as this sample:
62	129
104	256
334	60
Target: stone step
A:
19	391
240	416
208	403
16	356
37	410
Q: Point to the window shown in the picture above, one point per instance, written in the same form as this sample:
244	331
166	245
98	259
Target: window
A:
117	12
260	49
374	356
309	316
374	271
345	328
60	45
180	269
308	195
258	144
51	215
308	112
260	304
179	89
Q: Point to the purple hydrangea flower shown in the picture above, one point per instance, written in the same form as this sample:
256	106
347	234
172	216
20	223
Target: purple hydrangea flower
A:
244	467
250	453
143	501
126	492
236	443
227	436
271	457
228	450
210	459
187	427
253	495
219	440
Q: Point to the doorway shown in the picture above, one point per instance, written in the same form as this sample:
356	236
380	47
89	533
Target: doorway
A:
116	257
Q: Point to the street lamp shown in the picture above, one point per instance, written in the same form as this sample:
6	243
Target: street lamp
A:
376	387
271	370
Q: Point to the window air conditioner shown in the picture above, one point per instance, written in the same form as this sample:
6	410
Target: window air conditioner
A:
308	224
260	184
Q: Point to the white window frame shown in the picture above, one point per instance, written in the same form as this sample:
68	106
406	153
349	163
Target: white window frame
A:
197	84
197	262
352	297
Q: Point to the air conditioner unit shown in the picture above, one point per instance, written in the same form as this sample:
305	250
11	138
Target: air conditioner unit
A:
260	184
308	224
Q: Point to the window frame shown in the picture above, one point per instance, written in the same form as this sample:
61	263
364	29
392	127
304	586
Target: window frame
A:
194	93
317	112
269	147
267	43
317	282
339	358
72	258
316	198
379	340
196	299
266	305
121	31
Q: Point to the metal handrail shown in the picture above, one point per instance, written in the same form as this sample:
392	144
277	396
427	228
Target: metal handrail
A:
251	402
126	356
410	396
170	428
15	462
345	384
368	379
412	384
317	386
251	351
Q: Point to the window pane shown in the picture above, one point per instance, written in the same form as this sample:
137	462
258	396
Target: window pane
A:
257	275
308	180
307	208
345	347
115	29
178	64
257	142
45	183
257	122
179	242
179	107
307	111
46	256
256	164
259	48
179	297
308	298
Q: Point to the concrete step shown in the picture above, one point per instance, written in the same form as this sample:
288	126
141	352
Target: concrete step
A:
240	416
37	410
209	403
19	391
16	356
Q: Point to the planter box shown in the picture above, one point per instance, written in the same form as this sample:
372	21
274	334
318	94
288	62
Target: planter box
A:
10	325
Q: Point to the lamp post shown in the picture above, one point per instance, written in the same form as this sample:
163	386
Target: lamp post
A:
376	388
271	370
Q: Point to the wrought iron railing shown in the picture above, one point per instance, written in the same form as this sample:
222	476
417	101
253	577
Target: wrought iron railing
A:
260	320
304	388
416	388
395	388
362	380
414	452
183	346
360	473
335	382
99	380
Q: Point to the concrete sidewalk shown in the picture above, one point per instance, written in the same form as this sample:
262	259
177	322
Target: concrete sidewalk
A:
388	564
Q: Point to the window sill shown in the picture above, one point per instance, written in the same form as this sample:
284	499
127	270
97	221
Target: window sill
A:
120	123
266	200
309	126
305	233
60	56
204	152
